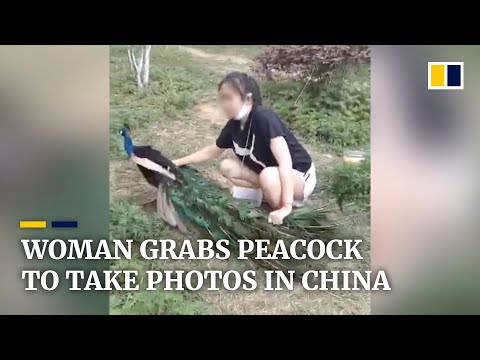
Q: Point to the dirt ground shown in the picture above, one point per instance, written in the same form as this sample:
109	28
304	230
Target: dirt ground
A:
201	130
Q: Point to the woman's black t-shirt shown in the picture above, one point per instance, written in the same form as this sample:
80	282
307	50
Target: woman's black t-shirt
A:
264	125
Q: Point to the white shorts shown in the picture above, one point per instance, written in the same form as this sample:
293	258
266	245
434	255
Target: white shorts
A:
310	182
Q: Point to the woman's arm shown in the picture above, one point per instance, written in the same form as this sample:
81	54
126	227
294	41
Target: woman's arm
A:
207	153
280	150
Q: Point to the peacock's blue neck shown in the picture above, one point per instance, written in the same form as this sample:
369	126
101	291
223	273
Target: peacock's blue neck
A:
128	145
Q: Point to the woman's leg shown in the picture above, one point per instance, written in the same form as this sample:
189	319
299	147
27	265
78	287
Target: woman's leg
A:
272	188
239	175
268	180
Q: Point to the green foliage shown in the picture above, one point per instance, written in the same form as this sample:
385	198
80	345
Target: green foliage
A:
155	303
159	302
129	221
175	84
337	115
142	302
350	182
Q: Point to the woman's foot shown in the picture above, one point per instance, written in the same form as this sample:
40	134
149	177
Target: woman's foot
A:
244	193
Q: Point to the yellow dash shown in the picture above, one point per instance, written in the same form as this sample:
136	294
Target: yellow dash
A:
438	75
33	224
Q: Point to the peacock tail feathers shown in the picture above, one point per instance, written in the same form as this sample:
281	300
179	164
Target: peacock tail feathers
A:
203	204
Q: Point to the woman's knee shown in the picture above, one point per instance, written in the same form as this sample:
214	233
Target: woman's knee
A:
271	186
228	168
269	177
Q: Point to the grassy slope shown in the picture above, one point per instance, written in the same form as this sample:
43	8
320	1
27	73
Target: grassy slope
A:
176	83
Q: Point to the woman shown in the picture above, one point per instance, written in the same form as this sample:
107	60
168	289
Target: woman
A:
268	156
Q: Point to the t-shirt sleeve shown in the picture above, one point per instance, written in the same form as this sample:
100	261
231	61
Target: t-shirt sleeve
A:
224	140
271	125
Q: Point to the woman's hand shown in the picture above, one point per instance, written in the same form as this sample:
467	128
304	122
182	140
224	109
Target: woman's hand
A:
276	217
207	153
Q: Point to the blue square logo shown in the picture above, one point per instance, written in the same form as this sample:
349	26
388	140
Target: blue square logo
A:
454	77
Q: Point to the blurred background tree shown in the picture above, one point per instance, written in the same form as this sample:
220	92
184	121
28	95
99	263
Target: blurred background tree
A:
139	59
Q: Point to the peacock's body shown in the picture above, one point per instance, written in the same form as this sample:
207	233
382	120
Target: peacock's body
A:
186	197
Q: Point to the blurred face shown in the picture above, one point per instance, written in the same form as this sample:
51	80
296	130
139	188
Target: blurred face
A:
230	101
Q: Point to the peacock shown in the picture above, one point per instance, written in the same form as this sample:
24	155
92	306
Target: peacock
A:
187	199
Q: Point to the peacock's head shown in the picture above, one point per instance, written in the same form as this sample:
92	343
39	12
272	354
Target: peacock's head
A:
124	131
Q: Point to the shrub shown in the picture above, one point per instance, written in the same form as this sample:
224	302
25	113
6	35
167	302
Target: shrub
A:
350	182
335	114
317	61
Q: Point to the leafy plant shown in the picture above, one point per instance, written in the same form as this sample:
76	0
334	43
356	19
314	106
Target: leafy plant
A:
350	182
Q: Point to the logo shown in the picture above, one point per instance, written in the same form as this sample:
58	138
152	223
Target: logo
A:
445	75
42	224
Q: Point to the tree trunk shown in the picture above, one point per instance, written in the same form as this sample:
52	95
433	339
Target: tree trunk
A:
140	66
146	64
130	59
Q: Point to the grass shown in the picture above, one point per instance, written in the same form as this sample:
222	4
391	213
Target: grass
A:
129	221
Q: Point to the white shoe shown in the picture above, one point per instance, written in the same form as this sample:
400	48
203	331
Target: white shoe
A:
244	193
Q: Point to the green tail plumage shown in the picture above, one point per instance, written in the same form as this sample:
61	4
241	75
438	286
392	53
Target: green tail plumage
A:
205	205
